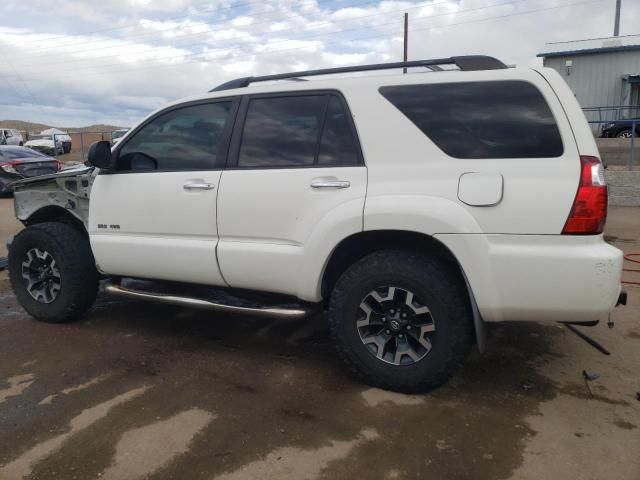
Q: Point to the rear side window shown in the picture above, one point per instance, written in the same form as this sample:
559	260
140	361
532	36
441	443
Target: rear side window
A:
501	119
297	131
187	138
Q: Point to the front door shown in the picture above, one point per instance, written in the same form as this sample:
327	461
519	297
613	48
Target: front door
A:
295	169
155	216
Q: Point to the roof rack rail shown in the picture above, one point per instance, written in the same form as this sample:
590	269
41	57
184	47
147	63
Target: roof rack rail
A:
467	63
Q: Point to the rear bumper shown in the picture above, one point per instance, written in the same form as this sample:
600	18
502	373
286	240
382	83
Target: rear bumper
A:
540	277
6	179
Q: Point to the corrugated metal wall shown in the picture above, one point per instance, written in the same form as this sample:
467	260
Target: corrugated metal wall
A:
596	79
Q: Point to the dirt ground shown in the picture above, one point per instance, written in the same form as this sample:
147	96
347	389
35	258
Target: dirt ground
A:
145	391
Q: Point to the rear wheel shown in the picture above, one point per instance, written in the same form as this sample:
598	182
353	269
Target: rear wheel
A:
401	321
52	272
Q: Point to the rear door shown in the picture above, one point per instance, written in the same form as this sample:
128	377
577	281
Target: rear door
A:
295	162
155	216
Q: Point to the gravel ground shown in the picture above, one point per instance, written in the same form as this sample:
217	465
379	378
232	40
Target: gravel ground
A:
145	391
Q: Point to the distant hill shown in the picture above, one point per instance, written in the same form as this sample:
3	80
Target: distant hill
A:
38	127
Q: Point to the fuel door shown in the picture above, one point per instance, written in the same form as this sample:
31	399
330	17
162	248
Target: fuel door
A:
480	189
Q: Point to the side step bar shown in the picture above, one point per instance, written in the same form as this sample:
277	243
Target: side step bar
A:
192	302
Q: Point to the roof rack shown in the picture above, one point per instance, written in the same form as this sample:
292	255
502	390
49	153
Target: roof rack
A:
467	63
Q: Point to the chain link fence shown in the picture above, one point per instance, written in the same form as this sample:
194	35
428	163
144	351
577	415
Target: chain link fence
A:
80	143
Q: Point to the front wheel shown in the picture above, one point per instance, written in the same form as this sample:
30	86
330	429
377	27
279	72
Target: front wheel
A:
401	321
52	272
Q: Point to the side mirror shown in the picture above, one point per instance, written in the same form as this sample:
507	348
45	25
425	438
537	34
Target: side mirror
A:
100	155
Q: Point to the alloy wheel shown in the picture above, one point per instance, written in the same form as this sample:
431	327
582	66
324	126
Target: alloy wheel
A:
41	275
395	325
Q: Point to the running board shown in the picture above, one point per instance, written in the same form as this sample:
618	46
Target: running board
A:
193	302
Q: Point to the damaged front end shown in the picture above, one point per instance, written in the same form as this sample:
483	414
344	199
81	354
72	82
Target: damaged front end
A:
54	197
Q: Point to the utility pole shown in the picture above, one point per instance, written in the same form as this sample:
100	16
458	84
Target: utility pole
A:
406	39
616	26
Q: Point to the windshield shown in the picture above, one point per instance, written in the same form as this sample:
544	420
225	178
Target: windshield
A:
40	137
118	134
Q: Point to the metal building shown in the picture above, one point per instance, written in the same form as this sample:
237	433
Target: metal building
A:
603	73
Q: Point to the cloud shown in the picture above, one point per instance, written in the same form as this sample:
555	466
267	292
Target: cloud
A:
73	62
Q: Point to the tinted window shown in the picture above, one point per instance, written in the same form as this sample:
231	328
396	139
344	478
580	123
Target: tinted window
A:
505	119
338	145
281	131
188	138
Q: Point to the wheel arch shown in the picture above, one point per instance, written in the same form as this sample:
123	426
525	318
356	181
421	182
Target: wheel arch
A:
55	213
357	246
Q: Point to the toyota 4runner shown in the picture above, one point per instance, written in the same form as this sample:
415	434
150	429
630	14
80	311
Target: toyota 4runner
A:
414	208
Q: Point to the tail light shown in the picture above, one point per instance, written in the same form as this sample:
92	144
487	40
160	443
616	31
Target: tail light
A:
9	167
58	165
589	212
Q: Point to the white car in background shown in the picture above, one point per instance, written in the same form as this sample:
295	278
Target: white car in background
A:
45	144
63	137
10	136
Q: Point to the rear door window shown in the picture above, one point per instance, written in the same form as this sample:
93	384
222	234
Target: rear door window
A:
295	131
481	120
281	131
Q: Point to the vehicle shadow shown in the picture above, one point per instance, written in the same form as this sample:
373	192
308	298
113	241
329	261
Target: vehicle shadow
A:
507	368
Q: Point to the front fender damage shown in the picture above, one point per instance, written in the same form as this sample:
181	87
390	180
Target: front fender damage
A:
69	189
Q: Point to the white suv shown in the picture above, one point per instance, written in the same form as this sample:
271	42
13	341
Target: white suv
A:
413	207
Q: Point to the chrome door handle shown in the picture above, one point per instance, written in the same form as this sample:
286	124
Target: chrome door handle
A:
331	184
198	186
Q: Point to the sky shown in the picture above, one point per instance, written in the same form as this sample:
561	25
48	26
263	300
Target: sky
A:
79	62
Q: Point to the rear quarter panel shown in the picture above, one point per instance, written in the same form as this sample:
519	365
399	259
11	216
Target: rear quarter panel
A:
402	161
583	136
518	264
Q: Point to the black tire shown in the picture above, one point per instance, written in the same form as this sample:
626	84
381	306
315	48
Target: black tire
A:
78	277
438	287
